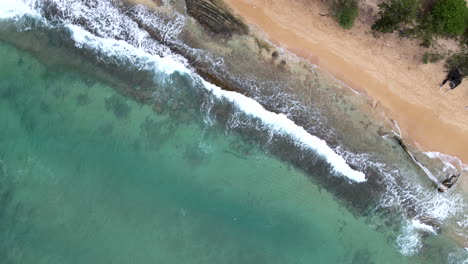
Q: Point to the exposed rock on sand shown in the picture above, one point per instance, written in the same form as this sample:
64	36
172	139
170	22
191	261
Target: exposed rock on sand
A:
214	16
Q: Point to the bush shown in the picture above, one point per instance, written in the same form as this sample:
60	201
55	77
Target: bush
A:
426	36
430	57
449	17
345	12
394	14
458	60
464	39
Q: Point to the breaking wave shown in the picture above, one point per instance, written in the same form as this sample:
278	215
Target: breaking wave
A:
116	38
106	39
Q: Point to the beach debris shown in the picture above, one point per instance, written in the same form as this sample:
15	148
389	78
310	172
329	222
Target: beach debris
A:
448	183
399	140
454	78
440	186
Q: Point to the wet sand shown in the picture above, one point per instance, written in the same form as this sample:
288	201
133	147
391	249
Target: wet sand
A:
389	70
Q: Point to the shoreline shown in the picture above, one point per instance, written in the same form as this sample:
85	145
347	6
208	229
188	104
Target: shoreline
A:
430	119
409	101
355	189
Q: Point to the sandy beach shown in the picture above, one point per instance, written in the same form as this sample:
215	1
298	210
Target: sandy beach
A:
223	131
388	69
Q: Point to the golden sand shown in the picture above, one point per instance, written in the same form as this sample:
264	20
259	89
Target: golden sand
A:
388	69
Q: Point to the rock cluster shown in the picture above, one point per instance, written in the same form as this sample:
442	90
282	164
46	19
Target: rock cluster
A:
215	17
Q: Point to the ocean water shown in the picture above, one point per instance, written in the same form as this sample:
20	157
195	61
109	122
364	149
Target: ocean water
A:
89	175
84	182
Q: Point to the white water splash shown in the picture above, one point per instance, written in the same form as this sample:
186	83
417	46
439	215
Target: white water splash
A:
458	257
11	9
451	164
279	122
143	52
423	227
168	65
410	240
105	44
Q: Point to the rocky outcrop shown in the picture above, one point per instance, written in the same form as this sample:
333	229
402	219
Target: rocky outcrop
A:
454	77
215	17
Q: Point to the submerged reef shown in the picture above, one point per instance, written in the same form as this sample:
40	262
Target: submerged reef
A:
217	45
216	18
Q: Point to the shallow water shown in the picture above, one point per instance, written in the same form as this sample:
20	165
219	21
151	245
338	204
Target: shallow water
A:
84	182
88	175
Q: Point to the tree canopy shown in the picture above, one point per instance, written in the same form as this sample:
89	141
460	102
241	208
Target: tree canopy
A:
449	17
395	14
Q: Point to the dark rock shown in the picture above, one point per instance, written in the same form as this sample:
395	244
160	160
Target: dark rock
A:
106	129
215	17
158	107
450	181
45	108
82	99
274	55
454	77
118	106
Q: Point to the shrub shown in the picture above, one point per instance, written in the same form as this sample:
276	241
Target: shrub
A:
430	57
449	17
464	39
426	36
394	14
345	12
458	60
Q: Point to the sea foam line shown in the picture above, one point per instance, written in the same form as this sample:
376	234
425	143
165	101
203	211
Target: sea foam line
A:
170	64
278	122
14	9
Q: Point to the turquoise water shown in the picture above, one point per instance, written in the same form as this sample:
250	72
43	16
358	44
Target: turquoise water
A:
88	176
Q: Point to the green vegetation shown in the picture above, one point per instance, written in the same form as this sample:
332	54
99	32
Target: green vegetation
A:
432	57
449	17
425	20
344	12
428	20
395	14
418	18
458	60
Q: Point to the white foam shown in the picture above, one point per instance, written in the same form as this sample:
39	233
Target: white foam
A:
424	168
459	256
14	9
439	206
399	134
169	65
410	240
450	162
423	227
280	122
118	48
